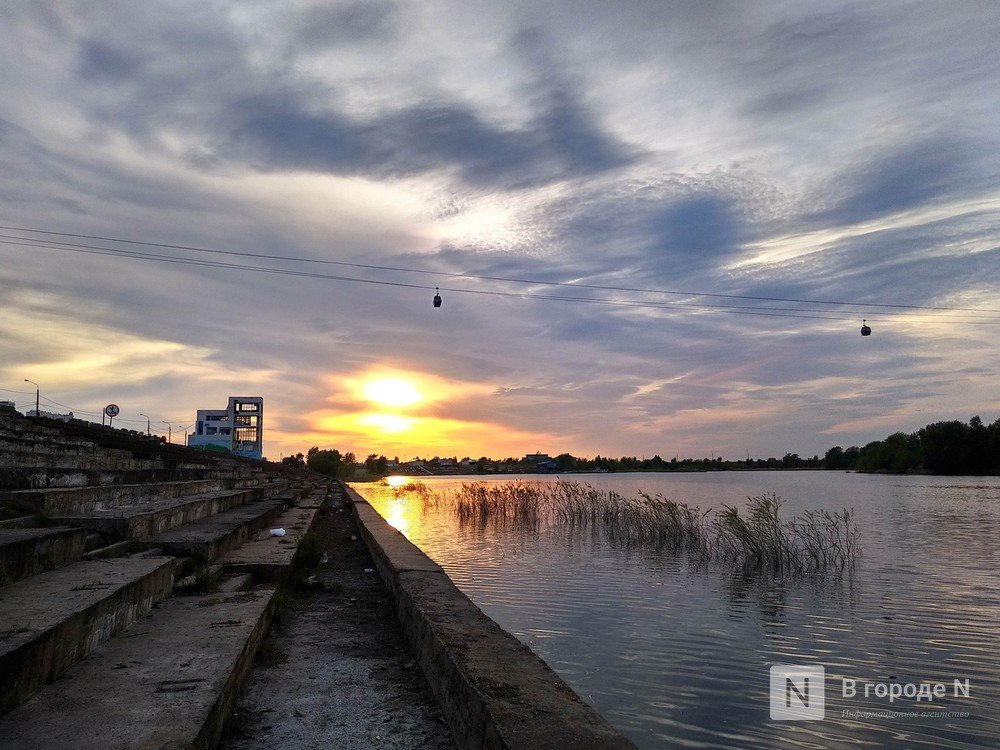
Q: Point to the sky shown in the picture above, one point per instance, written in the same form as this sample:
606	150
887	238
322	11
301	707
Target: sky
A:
708	174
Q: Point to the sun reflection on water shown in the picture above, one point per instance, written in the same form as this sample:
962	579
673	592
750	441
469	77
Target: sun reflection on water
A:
401	506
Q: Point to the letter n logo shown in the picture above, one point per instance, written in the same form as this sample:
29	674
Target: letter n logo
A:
798	692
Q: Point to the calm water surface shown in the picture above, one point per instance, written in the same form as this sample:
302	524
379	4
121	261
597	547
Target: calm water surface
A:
678	655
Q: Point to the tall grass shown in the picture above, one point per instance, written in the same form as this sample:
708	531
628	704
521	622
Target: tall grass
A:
754	537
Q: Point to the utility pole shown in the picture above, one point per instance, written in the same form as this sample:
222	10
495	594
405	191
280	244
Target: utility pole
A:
38	412
169	431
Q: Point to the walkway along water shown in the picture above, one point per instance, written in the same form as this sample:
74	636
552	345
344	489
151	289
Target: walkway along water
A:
341	674
494	692
336	672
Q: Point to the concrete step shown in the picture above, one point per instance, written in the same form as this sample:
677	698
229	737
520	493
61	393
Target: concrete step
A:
28	443
313	497
147	519
270	558
27	552
210	538
46	472
170	684
53	439
50	621
64	501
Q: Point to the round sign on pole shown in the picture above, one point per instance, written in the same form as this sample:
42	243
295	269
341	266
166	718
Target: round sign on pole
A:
111	410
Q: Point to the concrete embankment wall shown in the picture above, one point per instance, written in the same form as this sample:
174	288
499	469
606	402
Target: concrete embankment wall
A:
494	692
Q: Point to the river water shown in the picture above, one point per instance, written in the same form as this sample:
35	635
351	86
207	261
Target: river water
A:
678	654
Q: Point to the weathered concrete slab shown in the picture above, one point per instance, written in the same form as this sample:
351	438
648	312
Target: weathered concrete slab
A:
213	537
494	692
63	501
156	516
313	498
26	552
395	553
168	684
37	471
491	677
268	557
50	621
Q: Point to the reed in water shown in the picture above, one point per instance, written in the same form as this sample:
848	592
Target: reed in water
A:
753	537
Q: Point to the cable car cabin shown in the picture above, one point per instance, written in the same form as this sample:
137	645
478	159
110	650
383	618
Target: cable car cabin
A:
437	298
865	329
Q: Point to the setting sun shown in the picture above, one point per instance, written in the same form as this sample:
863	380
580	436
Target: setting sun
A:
390	423
392	392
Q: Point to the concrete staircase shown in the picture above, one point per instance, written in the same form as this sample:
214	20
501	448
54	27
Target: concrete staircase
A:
98	527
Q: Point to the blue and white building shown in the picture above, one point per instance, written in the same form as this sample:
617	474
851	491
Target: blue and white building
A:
238	429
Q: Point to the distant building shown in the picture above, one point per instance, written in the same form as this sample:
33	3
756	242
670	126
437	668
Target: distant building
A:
536	458
238	429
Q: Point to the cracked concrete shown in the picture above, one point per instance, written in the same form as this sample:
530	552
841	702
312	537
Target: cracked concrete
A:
338	672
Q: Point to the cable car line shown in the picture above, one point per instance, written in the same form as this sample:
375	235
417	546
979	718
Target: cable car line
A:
519	295
299	259
732	309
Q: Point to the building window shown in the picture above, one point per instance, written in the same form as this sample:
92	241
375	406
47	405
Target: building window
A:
246	434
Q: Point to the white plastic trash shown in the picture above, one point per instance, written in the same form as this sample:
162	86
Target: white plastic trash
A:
277	532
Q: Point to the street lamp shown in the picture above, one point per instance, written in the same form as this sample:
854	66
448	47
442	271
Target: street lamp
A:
148	431
38	413
169	430
185	427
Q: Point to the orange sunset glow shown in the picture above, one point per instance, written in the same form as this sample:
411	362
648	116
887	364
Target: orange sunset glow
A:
405	413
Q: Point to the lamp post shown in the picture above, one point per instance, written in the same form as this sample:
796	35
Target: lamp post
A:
185	427
38	413
169	430
148	431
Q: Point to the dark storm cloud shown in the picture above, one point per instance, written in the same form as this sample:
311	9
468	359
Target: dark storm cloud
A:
278	132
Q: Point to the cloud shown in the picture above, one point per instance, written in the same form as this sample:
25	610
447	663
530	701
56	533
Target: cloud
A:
561	143
843	153
101	62
907	177
324	26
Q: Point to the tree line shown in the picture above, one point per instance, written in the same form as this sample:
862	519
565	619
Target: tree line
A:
940	448
339	465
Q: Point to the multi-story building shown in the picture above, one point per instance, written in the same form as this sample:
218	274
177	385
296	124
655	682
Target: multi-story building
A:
238	429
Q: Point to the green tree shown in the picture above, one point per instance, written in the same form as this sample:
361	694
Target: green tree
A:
945	446
330	462
376	465
565	462
834	458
